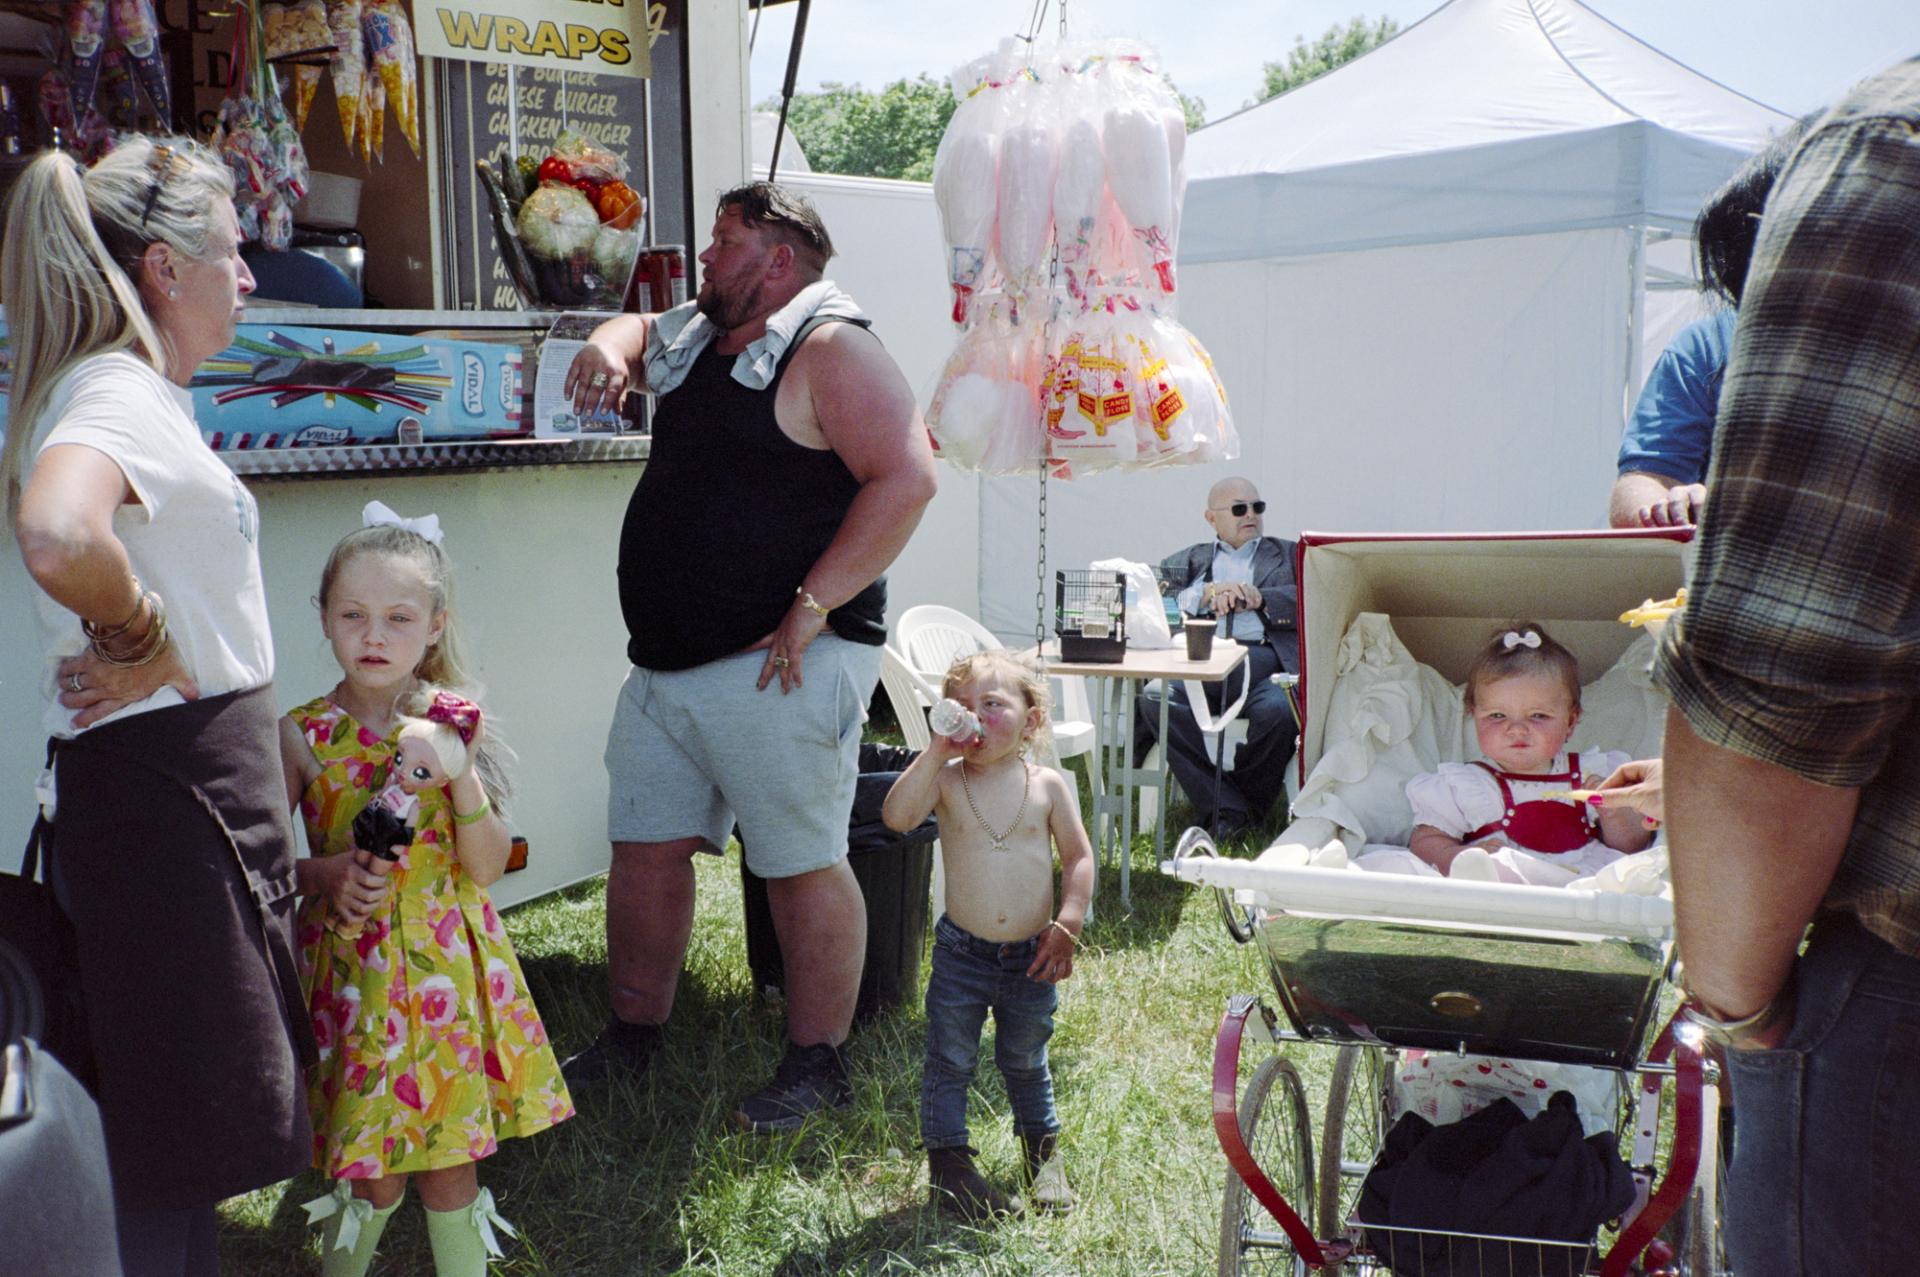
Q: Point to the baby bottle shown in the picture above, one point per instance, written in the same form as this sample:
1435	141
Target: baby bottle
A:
951	719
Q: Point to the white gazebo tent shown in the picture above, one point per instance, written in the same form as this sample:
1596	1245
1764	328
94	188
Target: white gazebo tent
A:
1431	281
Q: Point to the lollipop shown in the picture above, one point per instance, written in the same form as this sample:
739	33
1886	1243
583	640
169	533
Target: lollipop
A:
136	27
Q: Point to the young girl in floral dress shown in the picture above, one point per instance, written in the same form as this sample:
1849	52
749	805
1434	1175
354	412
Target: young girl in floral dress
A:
431	1050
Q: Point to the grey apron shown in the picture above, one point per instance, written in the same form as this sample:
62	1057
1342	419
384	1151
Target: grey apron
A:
176	865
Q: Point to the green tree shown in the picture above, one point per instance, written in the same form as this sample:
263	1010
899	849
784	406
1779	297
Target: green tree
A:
849	130
1338	46
1195	109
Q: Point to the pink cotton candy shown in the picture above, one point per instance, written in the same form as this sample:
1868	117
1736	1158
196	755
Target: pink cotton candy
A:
965	191
1141	180
1028	153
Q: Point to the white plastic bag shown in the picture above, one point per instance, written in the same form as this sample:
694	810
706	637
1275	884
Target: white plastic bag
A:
1146	615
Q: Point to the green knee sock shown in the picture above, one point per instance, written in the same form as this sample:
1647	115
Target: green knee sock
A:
463	1239
363	1237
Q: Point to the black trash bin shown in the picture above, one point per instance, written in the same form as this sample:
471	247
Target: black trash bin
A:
895	872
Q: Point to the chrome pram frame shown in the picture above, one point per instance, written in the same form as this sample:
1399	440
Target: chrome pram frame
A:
1374	964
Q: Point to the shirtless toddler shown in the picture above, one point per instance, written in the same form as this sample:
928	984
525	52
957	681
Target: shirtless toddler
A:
999	946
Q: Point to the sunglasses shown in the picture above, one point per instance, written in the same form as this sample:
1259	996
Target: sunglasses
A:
1239	508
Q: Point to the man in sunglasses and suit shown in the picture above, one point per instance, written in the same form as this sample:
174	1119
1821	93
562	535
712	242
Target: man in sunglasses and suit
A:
1246	580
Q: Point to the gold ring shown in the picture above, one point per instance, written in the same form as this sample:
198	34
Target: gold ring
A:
780	662
599	379
73	681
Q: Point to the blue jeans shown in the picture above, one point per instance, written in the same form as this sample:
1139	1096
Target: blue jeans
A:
1826	1170
971	976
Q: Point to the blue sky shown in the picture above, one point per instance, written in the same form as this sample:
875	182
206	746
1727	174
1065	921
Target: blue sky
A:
1790	54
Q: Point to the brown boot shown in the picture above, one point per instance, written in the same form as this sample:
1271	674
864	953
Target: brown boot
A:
1047	1185
961	1191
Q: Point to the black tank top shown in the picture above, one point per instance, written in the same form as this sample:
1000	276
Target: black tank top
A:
727	518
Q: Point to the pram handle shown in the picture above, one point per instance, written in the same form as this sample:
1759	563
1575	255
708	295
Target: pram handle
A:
1441	901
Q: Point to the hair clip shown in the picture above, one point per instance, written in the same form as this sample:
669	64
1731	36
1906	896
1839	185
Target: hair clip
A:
378	514
462	715
1514	638
160	165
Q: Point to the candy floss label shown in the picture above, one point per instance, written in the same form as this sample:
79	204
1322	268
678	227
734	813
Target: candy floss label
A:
471	383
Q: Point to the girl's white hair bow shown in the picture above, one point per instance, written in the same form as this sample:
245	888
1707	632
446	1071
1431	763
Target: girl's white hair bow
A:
378	514
1514	638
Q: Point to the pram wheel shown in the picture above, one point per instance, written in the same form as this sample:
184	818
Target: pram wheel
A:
1355	1129
1275	1126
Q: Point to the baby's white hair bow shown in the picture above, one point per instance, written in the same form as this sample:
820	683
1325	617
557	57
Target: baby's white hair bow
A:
378	514
1514	638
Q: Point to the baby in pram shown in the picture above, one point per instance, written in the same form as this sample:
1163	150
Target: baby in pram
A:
1511	816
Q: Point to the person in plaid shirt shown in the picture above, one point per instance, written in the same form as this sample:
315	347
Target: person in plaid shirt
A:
1793	746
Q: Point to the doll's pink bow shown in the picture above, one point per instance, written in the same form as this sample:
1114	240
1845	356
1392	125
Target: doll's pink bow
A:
457	712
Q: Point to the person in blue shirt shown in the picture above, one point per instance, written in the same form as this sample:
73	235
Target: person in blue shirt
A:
1664	451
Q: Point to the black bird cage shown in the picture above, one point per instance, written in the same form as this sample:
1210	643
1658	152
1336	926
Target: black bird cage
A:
1090	614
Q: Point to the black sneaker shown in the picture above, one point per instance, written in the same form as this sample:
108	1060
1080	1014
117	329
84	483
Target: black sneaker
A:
809	1079
621	1050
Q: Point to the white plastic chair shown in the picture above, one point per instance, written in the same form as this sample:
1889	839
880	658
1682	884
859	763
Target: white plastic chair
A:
933	637
910	697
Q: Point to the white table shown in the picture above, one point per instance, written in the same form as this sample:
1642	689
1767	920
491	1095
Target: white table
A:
1115	686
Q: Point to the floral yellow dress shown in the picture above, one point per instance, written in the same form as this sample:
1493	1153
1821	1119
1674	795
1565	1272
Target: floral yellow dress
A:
431	1050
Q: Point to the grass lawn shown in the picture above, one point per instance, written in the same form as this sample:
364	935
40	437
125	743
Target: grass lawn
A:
654	1179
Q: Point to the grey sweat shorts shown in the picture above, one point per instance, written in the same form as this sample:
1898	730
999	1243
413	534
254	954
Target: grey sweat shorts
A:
692	752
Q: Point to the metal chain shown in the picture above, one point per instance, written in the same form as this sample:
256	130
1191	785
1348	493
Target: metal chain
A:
1040	568
1026	792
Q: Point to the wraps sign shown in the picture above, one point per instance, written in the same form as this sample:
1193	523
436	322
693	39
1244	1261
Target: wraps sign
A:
604	37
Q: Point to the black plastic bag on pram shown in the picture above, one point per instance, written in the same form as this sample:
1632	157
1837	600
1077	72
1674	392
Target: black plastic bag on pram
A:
1493	1172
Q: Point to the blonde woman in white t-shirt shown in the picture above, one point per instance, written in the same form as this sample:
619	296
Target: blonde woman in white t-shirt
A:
172	851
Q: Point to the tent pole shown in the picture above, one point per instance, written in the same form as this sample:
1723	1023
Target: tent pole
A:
1636	317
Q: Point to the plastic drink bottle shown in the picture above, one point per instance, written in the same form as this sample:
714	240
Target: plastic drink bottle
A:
953	720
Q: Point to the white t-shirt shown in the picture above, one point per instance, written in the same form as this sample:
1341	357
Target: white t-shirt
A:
193	537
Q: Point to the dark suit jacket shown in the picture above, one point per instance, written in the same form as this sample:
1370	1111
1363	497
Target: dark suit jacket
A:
1273	576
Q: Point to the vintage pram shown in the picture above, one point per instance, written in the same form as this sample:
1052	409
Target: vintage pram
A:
1373	965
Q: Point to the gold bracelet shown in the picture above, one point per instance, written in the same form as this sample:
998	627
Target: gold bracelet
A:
475	816
148	646
808	602
1055	922
102	632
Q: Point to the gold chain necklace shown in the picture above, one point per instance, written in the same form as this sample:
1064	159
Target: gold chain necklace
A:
1026	789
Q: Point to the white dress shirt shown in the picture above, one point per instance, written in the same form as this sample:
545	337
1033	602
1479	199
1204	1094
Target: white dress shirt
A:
1230	567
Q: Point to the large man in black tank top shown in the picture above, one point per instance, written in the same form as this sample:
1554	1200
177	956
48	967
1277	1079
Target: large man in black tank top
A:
789	467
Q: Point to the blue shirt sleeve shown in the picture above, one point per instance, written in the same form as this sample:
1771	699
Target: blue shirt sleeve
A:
1671	431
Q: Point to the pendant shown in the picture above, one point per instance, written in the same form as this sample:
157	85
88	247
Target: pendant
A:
999	844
